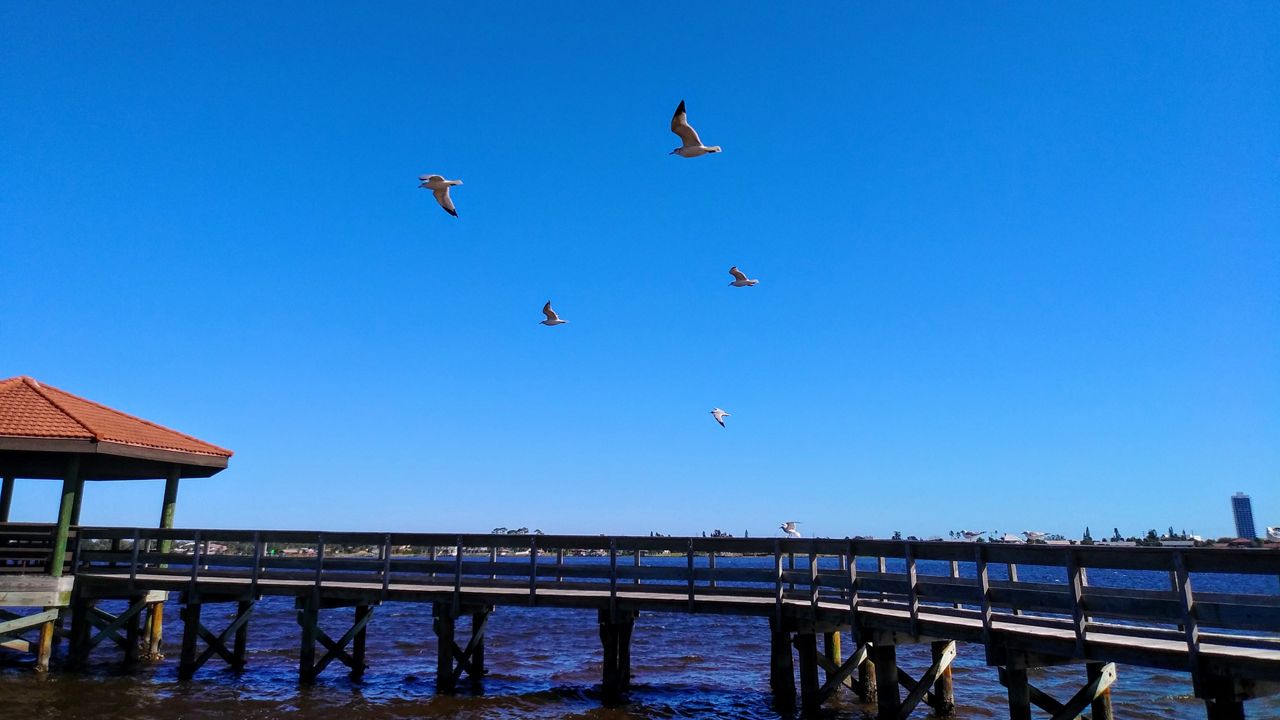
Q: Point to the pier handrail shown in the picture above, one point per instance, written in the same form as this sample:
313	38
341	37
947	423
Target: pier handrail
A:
941	578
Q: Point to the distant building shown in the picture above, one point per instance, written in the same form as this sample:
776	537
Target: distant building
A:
1242	509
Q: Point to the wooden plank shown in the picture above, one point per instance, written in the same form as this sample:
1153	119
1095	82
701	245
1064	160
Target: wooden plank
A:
26	622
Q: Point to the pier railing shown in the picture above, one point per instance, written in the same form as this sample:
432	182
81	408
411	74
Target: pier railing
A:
26	548
1000	584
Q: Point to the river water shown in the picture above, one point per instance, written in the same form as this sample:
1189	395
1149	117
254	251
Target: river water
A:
545	663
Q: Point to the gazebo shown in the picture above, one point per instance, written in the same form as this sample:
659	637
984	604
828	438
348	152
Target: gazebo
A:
51	434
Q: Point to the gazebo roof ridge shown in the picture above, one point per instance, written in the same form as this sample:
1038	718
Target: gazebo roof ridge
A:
40	423
196	444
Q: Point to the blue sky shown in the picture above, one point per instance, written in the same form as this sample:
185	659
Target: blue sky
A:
1020	266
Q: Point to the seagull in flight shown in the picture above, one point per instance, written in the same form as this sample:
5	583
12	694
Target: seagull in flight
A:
789	527
440	188
719	415
740	279
691	145
552	318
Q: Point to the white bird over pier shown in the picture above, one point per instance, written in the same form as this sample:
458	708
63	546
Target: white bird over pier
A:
691	145
740	279
719	415
552	318
440	188
789	527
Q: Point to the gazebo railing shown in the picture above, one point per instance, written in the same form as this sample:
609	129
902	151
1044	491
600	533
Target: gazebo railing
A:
26	548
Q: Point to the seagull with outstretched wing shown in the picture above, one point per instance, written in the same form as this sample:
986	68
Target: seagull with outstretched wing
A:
740	279
552	318
440	188
690	144
789	527
719	415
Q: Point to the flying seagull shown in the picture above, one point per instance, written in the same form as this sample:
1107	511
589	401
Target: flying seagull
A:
552	318
691	145
440	188
740	279
719	415
789	527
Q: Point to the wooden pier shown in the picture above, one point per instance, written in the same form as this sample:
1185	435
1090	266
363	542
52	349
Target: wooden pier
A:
808	595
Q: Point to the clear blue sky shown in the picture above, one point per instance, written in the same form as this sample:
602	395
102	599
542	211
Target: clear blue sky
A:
1020	266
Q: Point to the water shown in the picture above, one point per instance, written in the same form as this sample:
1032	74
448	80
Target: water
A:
545	663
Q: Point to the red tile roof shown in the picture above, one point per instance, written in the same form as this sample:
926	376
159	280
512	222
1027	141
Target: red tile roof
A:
34	410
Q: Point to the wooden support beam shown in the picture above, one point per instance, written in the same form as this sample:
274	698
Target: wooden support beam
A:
479	622
70	482
1221	699
190	633
44	646
944	694
807	649
1225	708
610	684
615	640
308	618
831	650
443	623
625	631
239	652
1101	705
1019	694
782	677
867	687
888	698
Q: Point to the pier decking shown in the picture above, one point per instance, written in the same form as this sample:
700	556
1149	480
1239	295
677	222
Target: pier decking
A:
806	589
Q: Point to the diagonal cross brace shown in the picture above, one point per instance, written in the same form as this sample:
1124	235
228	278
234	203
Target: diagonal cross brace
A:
336	649
930	676
464	656
837	675
1087	694
1071	709
218	643
110	625
11	628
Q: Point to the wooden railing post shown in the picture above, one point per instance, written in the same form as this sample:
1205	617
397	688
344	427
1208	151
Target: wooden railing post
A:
854	635
319	561
984	588
533	569
257	564
386	566
613	580
913	597
813	580
689	554
457	577
777	577
1190	624
1075	579
1013	579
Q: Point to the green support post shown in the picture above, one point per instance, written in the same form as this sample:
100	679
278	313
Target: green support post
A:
6	499
70	484
170	504
155	611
